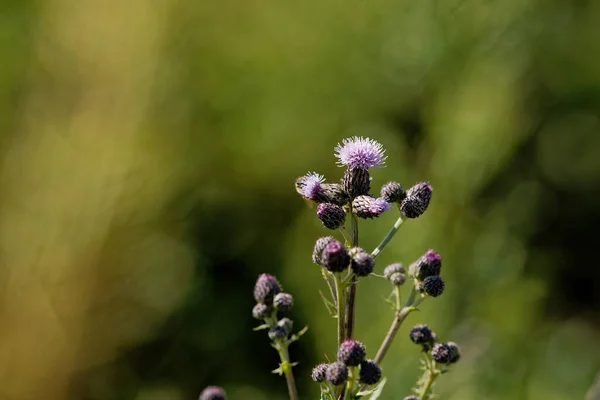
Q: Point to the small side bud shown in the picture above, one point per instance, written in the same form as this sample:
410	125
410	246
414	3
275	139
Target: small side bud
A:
337	373
356	182
392	192
454	352
331	215
417	200
398	279
277	332
319	247
213	393
369	207
262	311
429	264
392	269
266	288
335	257
421	334
441	353
319	372
433	286
334	193
287	324
370	373
351	352
362	262
283	302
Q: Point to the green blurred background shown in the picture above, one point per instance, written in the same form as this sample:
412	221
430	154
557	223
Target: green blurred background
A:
149	152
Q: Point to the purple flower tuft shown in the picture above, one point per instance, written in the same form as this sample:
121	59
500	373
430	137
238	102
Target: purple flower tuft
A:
351	352
310	185
359	152
369	207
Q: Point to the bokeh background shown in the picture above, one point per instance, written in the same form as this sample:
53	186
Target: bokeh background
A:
149	152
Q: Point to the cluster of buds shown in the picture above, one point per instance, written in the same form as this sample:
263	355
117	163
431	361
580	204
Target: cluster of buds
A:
351	194
332	255
351	355
426	273
269	300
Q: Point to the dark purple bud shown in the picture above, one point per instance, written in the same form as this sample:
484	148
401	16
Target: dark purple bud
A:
417	200
213	393
421	334
335	257
392	192
287	324
362	262
454	352
433	286
397	278
337	373
319	247
370	373
441	353
351	352
356	182
319	372
369	207
277	332
266	288
331	215
429	264
333	193
392	269
262	311
283	302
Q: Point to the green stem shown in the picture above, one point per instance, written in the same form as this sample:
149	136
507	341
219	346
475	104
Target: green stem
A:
431	375
350	384
351	292
388	237
286	366
340	295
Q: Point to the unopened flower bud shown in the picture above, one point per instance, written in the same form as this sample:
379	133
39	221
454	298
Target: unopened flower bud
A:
283	302
433	286
337	373
392	192
362	262
356	182
370	373
266	288
351	352
421	334
331	215
417	200
334	193
397	278
429	264
213	393
287	324
441	353
277	332
454	352
335	257
393	268
319	247
262	311
369	207
319	372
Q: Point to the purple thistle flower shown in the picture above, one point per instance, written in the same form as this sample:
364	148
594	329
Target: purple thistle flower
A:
310	185
359	152
369	207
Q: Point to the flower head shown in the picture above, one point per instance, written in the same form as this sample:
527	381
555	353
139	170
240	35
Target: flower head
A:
351	352
454	352
310	185
262	311
266	288
362	262
369	207
433	286
417	200
335	257
392	192
370	373
213	393
359	152
429	264
283	301
421	334
319	247
318	372
337	373
331	215
441	353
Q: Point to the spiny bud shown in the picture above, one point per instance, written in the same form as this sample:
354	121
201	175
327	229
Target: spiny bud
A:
266	288
370	373
335	257
369	207
454	352
277	332
331	215
417	200
319	247
337	373
213	393
397	278
283	302
333	193
392	269
356	182
351	352
287	324
318	372
362	262
441	353
433	286
392	192
421	334
429	264
262	311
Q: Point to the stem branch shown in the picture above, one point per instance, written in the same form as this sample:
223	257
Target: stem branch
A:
286	366
388	237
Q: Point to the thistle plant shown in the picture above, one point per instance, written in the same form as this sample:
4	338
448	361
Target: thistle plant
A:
343	264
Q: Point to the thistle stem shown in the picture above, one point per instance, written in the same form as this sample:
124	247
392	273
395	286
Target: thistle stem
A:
388	237
431	375
340	295
286	366
351	291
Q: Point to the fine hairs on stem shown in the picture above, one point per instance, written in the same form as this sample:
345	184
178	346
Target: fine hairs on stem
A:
343	265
